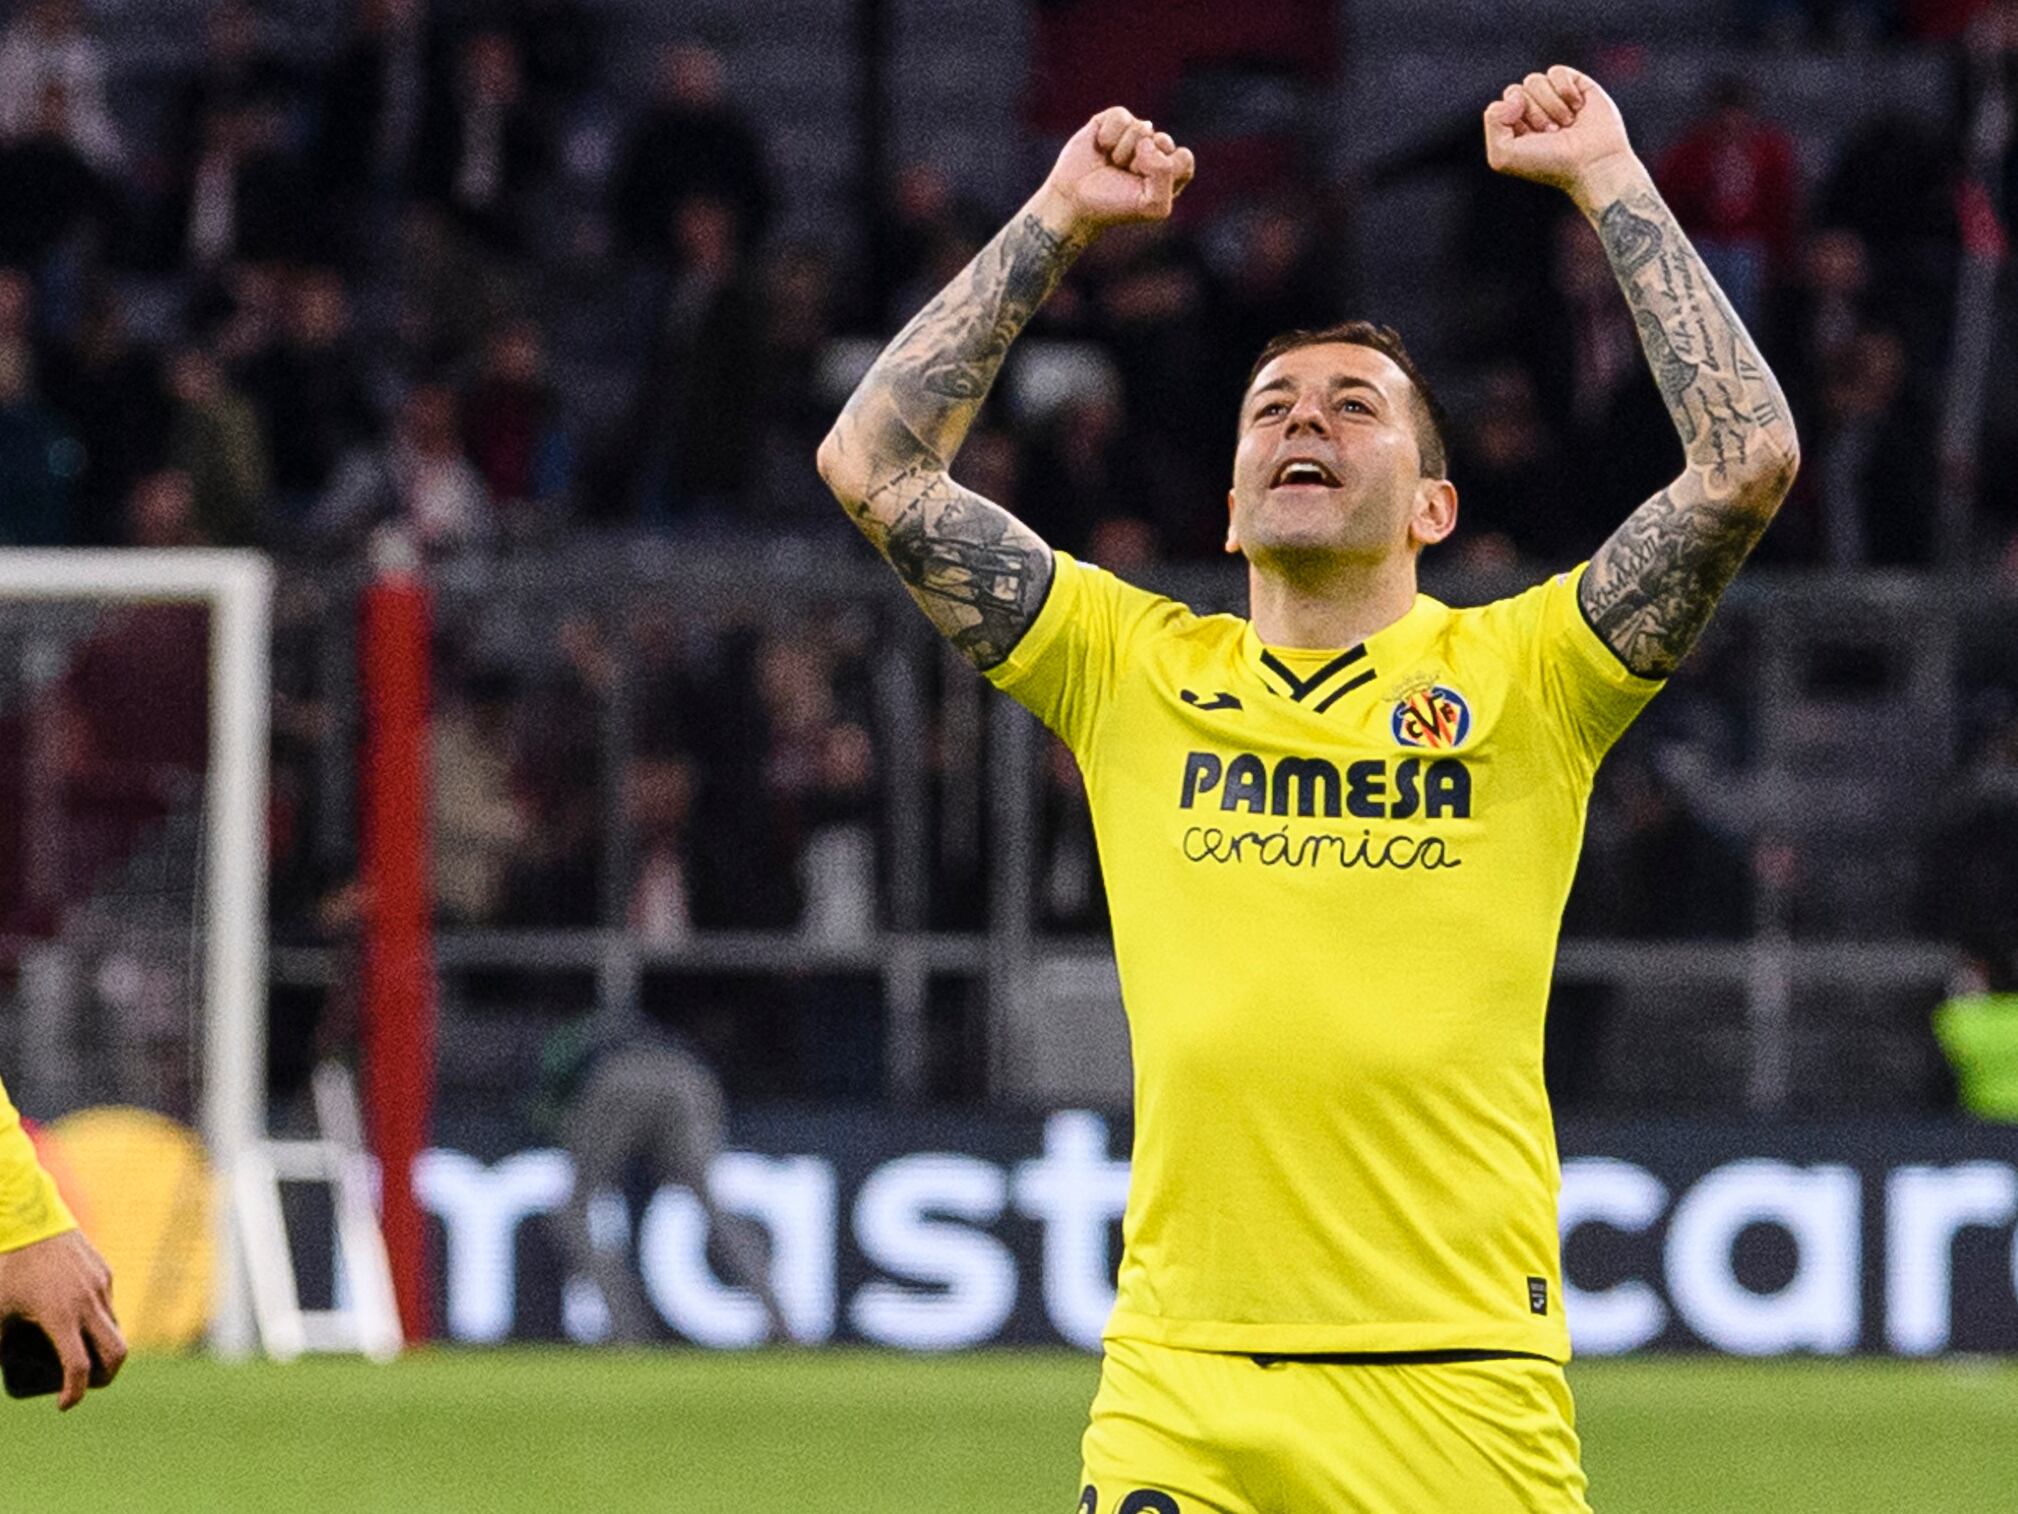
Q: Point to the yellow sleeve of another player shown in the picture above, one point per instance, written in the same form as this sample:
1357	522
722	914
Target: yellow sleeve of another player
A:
31	1209
1589	695
1065	668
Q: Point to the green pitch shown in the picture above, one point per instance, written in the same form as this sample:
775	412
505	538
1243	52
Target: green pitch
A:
846	1432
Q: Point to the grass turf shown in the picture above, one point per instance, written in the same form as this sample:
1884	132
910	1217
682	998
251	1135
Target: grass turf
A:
845	1431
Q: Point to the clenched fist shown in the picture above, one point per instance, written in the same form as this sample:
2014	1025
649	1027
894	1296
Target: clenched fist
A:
1559	128
1116	168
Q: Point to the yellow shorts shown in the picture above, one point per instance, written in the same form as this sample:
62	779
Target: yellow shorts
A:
1199	1432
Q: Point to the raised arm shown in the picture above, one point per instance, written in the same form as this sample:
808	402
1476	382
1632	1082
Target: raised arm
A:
978	572
1650	589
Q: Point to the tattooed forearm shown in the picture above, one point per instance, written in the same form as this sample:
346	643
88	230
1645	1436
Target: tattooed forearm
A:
1649	591
1672	372
1651	588
954	346
1724	402
978	572
940	367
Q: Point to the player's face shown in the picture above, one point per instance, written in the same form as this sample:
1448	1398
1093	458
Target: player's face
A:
1327	462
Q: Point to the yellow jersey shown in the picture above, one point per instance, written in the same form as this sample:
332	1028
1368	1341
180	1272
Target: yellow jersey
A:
30	1207
1336	881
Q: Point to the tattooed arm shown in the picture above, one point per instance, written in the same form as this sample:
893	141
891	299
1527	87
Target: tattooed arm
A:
978	572
1651	588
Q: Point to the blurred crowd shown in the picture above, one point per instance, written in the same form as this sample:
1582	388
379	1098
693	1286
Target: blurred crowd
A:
289	297
453	269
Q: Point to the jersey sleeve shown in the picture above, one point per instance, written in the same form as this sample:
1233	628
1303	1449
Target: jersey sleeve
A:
31	1209
1587	693
1065	669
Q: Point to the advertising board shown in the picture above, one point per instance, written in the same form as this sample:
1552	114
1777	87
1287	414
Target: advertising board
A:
943	1232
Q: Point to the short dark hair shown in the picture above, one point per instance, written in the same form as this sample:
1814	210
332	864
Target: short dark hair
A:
1428	415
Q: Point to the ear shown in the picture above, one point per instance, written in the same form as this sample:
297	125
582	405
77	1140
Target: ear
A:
1435	514
1232	535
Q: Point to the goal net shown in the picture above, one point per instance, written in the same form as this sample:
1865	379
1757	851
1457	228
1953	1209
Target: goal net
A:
134	694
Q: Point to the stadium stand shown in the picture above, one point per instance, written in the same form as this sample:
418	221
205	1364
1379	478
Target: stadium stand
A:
324	270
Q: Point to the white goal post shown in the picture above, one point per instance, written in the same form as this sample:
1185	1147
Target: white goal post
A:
237	587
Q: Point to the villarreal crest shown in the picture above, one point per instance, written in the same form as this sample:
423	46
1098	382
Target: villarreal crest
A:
1436	717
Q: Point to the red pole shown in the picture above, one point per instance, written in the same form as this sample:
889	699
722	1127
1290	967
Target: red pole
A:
397	995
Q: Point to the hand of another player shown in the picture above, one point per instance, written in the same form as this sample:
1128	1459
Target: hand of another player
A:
1558	128
1116	168
64	1286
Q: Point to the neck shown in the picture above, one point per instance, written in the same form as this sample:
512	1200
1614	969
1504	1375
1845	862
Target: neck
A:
1337	605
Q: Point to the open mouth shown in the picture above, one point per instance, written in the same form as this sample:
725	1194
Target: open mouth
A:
1303	472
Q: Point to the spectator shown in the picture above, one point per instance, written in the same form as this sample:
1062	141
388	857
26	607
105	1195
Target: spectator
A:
820	774
556	879
690	142
1124	545
796	298
820	770
111	391
245	197
928	233
1511	479
419	477
49	188
46	46
241	311
511	416
1819	313
1733	183
216	444
948	240
478	819
698	415
743	871
479	145
1588	369
1085	463
1893	183
234	70
1864	501
39	459
1152	303
659	796
1279	279
309	387
161	512
668	697
562	43
17	306
370	107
